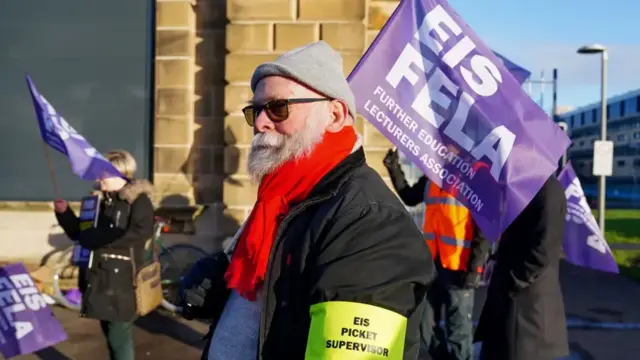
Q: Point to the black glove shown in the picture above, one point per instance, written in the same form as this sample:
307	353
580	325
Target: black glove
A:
391	161
204	290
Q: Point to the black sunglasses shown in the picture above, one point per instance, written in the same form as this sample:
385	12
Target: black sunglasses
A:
276	110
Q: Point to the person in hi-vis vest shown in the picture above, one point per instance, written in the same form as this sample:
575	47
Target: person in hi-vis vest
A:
459	251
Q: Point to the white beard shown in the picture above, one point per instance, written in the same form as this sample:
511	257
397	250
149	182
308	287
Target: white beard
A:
270	150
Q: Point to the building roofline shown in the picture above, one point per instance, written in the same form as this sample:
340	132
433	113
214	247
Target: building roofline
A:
596	105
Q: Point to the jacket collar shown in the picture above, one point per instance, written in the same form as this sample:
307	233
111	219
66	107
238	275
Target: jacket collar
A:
331	183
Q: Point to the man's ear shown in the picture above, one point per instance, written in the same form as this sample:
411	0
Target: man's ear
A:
339	113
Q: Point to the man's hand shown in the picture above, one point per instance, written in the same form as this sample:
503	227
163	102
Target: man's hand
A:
391	160
60	206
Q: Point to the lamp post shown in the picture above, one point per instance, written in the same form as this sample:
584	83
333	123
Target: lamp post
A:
599	49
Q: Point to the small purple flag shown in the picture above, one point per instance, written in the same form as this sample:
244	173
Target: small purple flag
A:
86	161
521	74
439	94
26	321
583	243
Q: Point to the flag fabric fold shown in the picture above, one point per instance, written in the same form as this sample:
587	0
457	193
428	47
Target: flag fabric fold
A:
445	100
584	243
85	160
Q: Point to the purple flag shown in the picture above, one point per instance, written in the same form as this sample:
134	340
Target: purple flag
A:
521	74
86	161
26	321
583	243
447	102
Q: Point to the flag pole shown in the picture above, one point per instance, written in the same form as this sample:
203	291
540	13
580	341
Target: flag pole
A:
47	155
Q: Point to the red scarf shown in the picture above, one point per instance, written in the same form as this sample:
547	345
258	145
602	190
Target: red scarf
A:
291	183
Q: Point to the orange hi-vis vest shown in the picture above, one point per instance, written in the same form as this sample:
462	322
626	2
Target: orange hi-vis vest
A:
448	229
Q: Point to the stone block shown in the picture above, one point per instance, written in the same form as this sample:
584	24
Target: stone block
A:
209	132
239	215
358	125
210	102
171	130
374	159
236	97
211	14
170	159
370	36
261	10
169	188
373	137
343	10
344	36
174	43
205	160
290	36
174	14
173	102
379	12
237	131
174	73
208	188
240	67
235	160
239	192
249	37
350	61
210	45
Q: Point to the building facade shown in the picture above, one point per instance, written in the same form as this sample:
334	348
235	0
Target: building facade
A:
623	128
203	54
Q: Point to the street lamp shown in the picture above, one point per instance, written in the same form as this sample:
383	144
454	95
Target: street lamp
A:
599	49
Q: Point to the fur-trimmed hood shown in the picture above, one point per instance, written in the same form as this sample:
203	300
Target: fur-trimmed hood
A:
134	189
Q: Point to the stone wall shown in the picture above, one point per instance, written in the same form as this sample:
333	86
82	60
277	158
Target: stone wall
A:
260	30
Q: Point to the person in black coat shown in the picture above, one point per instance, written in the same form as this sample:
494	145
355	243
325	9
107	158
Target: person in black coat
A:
125	223
523	317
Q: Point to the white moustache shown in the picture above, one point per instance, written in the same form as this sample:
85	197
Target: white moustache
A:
268	140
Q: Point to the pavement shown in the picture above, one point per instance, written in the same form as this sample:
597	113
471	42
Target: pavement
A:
595	302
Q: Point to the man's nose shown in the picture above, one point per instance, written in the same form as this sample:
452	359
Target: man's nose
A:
262	123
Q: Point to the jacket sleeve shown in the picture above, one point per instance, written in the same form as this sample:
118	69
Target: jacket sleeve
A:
140	228
410	195
368	283
480	249
543	237
69	223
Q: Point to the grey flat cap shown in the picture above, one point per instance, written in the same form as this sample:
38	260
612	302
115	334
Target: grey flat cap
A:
315	65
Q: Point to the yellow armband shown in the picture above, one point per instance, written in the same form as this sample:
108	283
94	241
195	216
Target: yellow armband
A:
352	331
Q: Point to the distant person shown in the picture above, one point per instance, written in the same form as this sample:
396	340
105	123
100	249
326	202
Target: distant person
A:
523	317
329	264
125	222
459	251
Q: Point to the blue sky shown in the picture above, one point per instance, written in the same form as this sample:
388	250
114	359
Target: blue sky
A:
540	35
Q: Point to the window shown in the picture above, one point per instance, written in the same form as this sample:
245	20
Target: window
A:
608	112
25	176
638	104
571	124
622	108
622	137
630	106
594	116
581	165
581	143
636	163
621	163
636	135
582	119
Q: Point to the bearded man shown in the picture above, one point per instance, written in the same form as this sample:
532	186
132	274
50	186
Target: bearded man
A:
329	265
